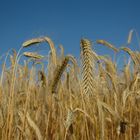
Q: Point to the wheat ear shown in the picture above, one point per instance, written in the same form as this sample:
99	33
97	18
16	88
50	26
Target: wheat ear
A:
33	55
132	54
39	40
59	71
107	44
87	67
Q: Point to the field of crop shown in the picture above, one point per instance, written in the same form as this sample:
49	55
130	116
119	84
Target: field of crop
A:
70	100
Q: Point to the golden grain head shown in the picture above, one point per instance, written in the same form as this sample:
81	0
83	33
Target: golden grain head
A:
107	44
85	42
33	55
32	42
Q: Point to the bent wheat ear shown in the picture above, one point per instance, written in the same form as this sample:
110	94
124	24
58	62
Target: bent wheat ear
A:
33	55
39	40
58	74
107	44
132	54
32	42
87	67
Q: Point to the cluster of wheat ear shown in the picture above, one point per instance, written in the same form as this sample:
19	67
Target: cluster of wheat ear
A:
63	99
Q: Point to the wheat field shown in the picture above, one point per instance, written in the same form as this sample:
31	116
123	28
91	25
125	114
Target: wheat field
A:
67	99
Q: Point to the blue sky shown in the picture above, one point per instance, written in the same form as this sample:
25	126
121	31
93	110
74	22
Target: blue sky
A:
67	21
